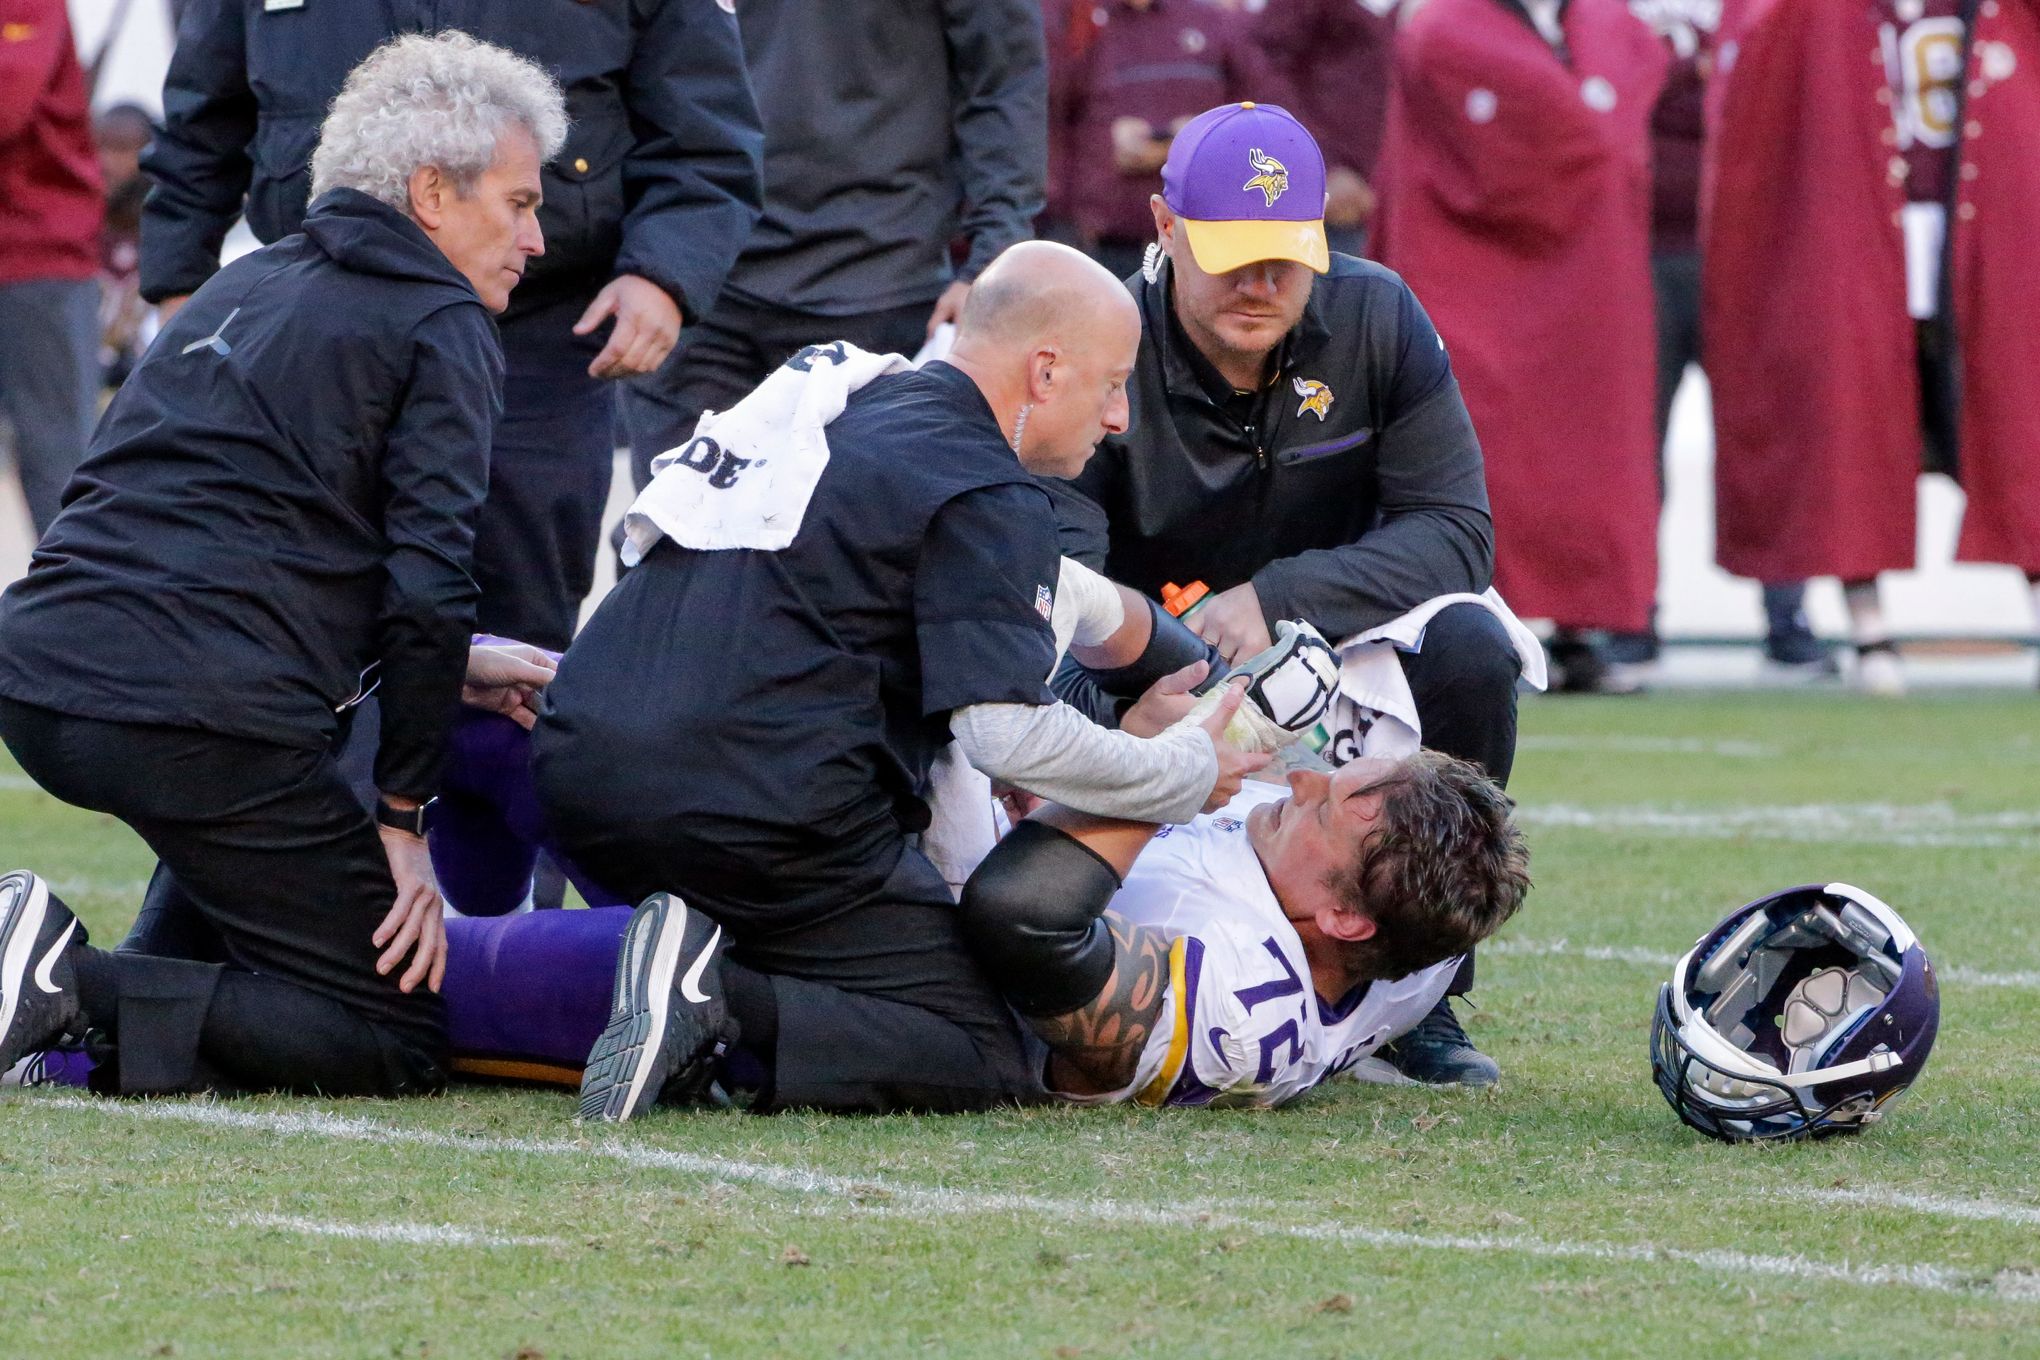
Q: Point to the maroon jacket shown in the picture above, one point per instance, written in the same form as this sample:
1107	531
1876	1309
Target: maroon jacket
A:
1810	350
1516	202
1337	55
50	199
1166	62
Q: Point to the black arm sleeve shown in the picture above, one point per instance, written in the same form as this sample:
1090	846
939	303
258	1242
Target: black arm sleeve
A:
435	472
199	157
1434	535
694	179
1033	915
998	85
1103	696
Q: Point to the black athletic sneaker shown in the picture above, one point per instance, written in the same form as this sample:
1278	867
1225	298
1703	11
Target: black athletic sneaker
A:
668	1021
38	995
1438	1053
1579	665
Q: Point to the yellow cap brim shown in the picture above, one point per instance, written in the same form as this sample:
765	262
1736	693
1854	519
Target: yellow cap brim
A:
1221	247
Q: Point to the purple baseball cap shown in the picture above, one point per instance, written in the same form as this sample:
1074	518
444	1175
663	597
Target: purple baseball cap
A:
1248	181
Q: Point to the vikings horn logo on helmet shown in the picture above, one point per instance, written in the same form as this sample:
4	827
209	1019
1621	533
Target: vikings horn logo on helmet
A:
1317	398
1271	176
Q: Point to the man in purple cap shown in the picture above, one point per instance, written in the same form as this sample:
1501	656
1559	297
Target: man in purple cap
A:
1299	447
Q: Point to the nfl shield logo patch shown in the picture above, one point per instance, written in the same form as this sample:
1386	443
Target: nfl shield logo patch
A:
1044	603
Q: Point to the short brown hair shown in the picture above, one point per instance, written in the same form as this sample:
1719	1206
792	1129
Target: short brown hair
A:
1444	867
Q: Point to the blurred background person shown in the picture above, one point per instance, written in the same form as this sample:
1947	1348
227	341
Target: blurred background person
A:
1678	137
892	128
1130	74
1517	205
119	134
1336	56
50	213
645	208
1869	295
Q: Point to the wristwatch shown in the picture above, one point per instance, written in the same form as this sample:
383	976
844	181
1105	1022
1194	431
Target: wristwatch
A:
411	823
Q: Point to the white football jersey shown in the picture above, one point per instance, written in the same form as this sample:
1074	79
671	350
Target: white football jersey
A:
1241	1024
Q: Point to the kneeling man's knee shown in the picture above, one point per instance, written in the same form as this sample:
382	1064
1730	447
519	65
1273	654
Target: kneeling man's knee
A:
1473	649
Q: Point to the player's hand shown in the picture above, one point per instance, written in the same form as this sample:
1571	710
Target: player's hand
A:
647	326
948	307
505	677
1234	765
1232	622
416	924
1349	202
169	307
1018	803
1136	150
1165	702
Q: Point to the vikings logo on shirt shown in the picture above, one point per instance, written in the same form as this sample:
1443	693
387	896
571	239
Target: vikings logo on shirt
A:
1317	398
1271	176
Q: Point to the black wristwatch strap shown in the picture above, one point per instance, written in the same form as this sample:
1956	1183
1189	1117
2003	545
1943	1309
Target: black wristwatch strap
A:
411	822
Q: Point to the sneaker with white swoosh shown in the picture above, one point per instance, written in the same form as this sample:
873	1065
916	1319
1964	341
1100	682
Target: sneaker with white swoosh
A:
38	998
668	1020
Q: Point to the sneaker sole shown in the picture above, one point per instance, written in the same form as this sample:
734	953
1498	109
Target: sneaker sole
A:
24	906
624	1060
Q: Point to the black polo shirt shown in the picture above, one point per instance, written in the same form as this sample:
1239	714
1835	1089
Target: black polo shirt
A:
1348	489
776	713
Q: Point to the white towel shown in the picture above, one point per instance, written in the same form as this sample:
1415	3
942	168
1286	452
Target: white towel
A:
1374	713
745	479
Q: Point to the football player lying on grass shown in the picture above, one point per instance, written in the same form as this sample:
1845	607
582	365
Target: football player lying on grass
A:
1255	952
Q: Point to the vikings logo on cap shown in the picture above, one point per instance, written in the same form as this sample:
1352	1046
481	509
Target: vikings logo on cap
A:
1271	176
1317	398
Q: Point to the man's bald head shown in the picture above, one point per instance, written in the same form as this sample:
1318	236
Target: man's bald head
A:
1054	333
1038	289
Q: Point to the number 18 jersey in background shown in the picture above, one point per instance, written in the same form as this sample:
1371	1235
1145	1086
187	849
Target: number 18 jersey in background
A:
1241	1024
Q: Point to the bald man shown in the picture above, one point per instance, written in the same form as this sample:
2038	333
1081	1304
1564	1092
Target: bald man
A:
742	737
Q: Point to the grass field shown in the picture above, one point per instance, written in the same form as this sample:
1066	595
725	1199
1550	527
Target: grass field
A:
1569	1214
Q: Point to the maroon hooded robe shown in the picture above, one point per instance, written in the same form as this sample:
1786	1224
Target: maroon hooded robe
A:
1517	205
1809	347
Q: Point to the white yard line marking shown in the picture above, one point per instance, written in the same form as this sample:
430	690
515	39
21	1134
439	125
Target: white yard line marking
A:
18	783
1981	1210
2010	1285
414	1234
1908	825
1953	974
1649	746
879	1197
1600	953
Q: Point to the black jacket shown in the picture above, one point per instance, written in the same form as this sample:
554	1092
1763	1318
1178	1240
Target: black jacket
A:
1346	518
659	175
282	495
891	128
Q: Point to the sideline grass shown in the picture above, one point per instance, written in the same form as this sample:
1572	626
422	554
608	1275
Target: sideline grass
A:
1517	1224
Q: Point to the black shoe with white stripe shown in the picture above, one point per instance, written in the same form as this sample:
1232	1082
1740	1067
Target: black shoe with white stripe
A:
38	994
668	1021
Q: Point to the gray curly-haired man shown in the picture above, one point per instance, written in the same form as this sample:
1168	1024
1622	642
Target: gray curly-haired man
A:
278	515
648	200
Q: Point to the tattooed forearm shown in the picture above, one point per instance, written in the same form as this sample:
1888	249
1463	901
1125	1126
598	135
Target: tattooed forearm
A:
1098	1048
